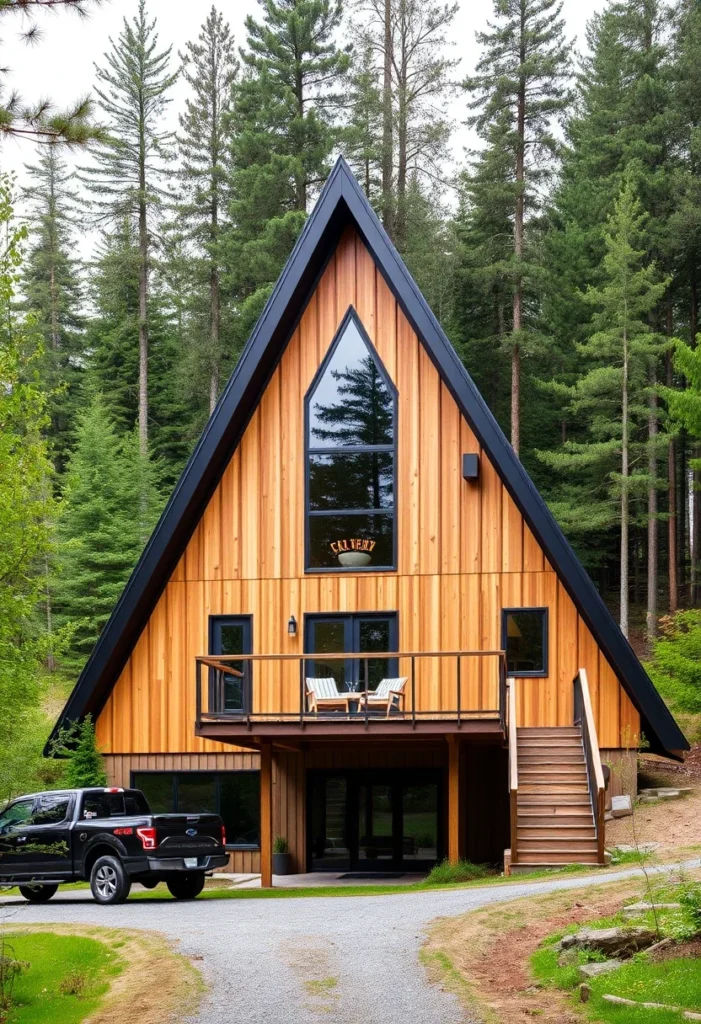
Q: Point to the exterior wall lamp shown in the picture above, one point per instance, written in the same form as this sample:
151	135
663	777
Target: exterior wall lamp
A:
292	626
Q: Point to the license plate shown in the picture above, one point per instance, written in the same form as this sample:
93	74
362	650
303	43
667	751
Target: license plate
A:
190	862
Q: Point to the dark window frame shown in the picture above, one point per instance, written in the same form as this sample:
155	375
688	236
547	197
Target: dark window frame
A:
350	315
246	621
544	613
199	771
351	621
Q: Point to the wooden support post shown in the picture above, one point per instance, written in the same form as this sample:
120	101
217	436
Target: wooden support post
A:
266	814
454	822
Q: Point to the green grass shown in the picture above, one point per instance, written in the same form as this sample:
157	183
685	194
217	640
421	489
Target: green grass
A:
67	977
675	982
292	892
446	873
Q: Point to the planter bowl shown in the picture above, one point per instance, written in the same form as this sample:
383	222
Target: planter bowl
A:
282	863
355	558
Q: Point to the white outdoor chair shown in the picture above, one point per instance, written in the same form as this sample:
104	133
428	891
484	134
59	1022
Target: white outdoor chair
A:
388	694
324	695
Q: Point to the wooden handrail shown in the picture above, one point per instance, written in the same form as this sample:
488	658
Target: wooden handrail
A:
349	656
597	786
216	663
513	768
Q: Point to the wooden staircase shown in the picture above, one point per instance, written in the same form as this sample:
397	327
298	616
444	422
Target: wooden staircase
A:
557	788
555	822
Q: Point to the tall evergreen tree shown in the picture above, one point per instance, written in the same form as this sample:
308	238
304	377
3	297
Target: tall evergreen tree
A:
52	286
610	465
284	130
125	180
26	510
210	68
520	90
103	524
362	137
411	40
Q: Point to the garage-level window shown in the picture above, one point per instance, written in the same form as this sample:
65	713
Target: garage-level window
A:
525	640
235	796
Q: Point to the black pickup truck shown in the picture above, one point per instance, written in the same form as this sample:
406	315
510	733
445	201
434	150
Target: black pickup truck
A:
110	838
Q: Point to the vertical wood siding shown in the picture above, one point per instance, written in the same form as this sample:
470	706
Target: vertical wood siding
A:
464	551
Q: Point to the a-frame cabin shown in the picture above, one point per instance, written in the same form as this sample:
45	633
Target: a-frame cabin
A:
357	625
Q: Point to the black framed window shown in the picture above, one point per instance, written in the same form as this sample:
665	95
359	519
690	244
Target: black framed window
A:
363	632
525	640
350	424
230	635
234	796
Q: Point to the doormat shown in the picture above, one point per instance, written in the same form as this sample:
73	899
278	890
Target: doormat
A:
360	875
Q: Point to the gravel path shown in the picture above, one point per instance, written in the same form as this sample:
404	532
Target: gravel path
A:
350	960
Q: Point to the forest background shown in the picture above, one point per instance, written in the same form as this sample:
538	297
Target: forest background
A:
561	252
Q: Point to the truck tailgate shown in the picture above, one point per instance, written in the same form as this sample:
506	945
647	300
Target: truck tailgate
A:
187	834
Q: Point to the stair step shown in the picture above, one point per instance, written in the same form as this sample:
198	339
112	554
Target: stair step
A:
554	801
550	859
549	786
553	831
565	843
548	757
543	743
572	816
547	771
544	730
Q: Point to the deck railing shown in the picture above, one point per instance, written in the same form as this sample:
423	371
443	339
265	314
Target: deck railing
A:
584	718
456	686
513	767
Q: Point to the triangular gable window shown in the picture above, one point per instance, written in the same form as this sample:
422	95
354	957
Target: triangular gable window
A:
351	422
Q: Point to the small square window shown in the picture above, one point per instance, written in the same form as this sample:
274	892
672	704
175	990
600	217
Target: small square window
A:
525	640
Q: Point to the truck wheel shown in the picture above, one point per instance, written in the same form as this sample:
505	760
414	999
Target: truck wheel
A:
187	885
38	893
109	881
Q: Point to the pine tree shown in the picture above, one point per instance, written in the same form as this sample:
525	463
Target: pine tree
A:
126	178
362	136
85	766
40	121
610	465
411	39
520	90
53	290
210	68
26	510
284	131
103	525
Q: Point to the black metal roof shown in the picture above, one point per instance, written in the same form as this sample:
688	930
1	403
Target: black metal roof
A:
340	204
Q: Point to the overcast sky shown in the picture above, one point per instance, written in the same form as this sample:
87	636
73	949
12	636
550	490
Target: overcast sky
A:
61	65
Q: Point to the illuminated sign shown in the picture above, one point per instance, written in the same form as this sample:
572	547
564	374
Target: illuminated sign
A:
352	544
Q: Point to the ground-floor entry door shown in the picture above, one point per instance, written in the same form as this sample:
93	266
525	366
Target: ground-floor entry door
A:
374	821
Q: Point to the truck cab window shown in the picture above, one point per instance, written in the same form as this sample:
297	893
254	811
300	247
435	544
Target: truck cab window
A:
16	814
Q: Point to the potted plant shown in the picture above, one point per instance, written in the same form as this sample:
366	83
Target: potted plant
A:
282	858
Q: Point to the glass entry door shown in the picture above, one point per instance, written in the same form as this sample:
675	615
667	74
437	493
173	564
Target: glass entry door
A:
230	635
374	820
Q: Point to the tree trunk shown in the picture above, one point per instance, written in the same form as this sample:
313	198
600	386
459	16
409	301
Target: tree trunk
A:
624	492
387	134
682	513
652	521
518	245
400	228
671	493
143	326
695	476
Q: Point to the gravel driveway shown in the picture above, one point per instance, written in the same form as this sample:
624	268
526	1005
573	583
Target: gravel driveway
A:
350	960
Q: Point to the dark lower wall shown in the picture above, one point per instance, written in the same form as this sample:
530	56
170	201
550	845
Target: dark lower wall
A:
486	804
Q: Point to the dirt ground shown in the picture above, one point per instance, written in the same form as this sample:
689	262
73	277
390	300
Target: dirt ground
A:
484	956
672	824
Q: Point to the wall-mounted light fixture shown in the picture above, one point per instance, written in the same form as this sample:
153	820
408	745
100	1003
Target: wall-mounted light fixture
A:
292	626
470	466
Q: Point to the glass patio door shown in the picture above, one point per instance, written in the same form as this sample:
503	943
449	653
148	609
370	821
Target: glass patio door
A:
339	634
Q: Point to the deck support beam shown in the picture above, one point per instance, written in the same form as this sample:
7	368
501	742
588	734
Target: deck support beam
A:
266	814
454	799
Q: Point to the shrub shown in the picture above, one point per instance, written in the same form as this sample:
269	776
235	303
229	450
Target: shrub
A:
675	667
280	845
446	873
690	899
